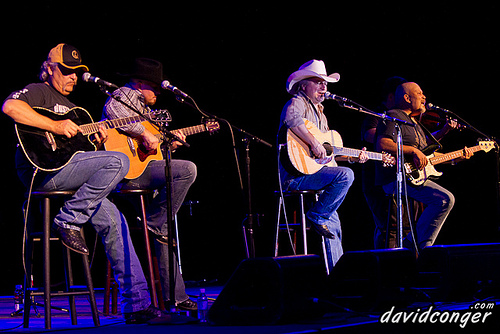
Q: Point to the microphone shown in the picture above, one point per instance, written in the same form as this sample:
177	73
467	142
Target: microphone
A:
433	107
87	77
330	96
166	85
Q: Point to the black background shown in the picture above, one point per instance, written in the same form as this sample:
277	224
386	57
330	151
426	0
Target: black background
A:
234	59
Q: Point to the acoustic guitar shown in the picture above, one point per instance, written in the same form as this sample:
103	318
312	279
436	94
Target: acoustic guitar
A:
138	155
299	158
50	152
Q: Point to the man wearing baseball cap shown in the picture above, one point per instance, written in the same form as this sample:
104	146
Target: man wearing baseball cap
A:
93	174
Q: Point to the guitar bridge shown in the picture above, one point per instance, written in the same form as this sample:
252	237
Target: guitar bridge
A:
51	140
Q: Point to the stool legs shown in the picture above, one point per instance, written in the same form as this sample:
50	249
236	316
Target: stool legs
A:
47	294
280	205
46	263
303	223
152	283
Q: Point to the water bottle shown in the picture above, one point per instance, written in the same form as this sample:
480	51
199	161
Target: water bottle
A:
18	298
202	306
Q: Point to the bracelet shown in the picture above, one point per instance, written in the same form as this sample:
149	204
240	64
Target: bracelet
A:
349	160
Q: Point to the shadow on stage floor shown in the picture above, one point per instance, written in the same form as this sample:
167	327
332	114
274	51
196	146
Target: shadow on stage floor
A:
336	321
450	289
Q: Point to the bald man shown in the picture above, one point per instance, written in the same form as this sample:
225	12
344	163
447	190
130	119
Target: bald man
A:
438	201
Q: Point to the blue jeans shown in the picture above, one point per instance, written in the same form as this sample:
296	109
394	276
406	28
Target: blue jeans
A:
94	175
184	174
438	203
335	183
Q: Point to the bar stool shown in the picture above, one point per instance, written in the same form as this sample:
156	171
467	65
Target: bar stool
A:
152	265
71	290
298	194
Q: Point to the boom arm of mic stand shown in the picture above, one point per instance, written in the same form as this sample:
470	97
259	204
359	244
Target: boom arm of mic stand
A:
361	109
193	105
464	122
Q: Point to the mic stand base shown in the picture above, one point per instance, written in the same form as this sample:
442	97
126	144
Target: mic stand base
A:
174	318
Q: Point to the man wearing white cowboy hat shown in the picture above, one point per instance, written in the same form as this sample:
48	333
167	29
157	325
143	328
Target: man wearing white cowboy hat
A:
308	87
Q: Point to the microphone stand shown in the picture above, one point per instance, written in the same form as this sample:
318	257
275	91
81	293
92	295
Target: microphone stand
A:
401	180
497	160
168	137
248	222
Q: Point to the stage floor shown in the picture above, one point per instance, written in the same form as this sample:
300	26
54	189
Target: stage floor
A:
337	321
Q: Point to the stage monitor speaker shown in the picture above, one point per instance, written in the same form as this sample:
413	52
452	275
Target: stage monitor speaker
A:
460	272
271	290
373	279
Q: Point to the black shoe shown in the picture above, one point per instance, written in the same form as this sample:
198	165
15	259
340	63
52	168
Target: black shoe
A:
323	230
143	316
71	239
188	305
161	238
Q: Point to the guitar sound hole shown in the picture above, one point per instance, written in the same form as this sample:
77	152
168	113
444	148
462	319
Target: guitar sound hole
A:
328	148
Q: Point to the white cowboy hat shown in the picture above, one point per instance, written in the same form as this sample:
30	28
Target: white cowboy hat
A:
312	69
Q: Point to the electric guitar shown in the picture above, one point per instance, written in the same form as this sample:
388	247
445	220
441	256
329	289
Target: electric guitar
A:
138	155
50	152
418	177
299	158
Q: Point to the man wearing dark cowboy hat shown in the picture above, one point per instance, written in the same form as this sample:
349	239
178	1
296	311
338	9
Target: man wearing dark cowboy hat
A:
141	92
93	174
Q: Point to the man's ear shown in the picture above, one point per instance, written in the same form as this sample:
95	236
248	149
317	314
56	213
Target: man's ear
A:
407	98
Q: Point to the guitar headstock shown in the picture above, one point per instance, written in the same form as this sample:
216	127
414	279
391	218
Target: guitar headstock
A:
212	125
388	160
161	115
486	145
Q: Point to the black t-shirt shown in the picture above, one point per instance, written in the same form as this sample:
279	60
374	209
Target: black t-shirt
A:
412	136
37	95
43	95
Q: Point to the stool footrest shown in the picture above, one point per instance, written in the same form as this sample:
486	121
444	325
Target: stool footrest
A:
61	293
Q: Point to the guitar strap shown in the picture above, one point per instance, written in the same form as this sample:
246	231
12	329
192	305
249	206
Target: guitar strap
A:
431	148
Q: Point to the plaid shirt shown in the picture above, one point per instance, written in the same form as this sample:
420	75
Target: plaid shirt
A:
114	109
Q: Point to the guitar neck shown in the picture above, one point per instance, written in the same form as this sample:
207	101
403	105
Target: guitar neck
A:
88	129
351	152
191	130
452	155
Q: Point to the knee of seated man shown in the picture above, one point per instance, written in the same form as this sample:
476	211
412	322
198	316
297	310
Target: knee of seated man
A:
192	169
449	200
348	175
120	162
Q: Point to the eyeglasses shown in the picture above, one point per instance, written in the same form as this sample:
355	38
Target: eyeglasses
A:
67	71
318	82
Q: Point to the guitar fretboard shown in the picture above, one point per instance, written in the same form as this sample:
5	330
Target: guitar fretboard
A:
452	155
91	128
186	131
351	152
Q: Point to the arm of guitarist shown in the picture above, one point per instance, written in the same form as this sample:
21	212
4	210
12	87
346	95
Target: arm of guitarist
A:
22	113
149	140
388	145
316	147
